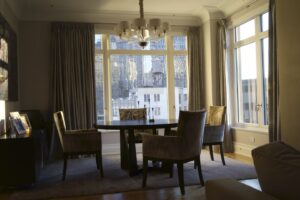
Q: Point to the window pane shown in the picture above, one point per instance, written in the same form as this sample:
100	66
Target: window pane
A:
117	43
265	50
98	41
247	97
180	76
3	51
99	86
180	42
139	81
265	22
245	30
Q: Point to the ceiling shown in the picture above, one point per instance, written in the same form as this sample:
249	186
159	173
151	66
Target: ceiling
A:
54	9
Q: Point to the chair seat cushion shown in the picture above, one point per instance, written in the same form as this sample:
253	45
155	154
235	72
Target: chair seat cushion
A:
278	169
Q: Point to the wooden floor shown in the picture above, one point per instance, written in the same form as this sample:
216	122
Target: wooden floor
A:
192	192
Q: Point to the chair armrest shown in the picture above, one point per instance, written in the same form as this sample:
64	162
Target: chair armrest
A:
231	189
213	133
162	147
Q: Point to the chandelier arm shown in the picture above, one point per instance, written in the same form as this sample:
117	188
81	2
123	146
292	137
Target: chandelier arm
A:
141	9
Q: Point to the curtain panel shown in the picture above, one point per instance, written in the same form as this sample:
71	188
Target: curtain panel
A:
221	86
274	108
73	74
196	69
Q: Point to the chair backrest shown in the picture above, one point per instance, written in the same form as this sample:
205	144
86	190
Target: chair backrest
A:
216	115
133	113
59	120
190	128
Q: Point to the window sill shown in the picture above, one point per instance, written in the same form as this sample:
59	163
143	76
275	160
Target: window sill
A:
105	131
252	129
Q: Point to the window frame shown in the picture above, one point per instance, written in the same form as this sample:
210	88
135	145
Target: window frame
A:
169	52
233	61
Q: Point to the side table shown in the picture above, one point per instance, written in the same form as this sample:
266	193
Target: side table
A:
20	158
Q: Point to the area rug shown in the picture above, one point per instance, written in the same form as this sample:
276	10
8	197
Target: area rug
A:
84	179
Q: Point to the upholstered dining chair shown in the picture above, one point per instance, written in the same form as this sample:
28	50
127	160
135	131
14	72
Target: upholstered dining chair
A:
78	142
179	149
214	129
135	114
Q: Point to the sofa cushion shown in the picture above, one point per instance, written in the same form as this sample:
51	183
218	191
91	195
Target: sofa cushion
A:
278	170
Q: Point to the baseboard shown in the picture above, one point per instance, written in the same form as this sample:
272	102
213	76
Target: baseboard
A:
109	149
243	149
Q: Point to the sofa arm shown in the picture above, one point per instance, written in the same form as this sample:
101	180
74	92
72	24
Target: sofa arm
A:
231	189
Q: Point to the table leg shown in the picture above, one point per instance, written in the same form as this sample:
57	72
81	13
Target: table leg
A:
166	166
167	131
123	150
133	168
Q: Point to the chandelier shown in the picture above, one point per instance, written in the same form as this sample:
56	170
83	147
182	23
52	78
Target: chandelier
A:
140	31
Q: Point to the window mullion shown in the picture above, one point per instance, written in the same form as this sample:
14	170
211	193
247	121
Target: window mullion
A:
259	73
106	80
170	78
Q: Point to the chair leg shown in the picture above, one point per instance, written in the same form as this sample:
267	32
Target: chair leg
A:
180	177
171	170
65	167
211	152
199	170
145	170
99	163
222	154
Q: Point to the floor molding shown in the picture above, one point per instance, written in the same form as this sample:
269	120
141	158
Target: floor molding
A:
243	149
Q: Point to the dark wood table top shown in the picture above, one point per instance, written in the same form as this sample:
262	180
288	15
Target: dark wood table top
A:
142	124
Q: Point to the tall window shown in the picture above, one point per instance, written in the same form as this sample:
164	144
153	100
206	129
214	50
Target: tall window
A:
133	77
99	76
251	58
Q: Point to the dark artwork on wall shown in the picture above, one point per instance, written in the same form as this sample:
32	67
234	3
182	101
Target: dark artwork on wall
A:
8	62
3	84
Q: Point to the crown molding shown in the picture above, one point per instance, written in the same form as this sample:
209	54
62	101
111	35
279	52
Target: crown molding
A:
108	17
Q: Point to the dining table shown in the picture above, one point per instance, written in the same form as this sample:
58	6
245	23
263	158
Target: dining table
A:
127	145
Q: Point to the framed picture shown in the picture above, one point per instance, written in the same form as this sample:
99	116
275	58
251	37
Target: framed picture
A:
18	125
25	121
14	115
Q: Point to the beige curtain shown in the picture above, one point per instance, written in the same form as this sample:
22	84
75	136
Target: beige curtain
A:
221	79
196	71
73	78
274	109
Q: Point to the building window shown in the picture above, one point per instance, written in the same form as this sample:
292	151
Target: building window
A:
146	98
128	76
157	111
251	59
156	97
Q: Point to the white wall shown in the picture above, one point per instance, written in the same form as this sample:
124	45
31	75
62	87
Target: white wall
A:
34	56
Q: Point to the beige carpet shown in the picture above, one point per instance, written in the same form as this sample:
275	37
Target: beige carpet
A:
84	179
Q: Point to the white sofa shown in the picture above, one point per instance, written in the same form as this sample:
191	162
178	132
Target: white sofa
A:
278	170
